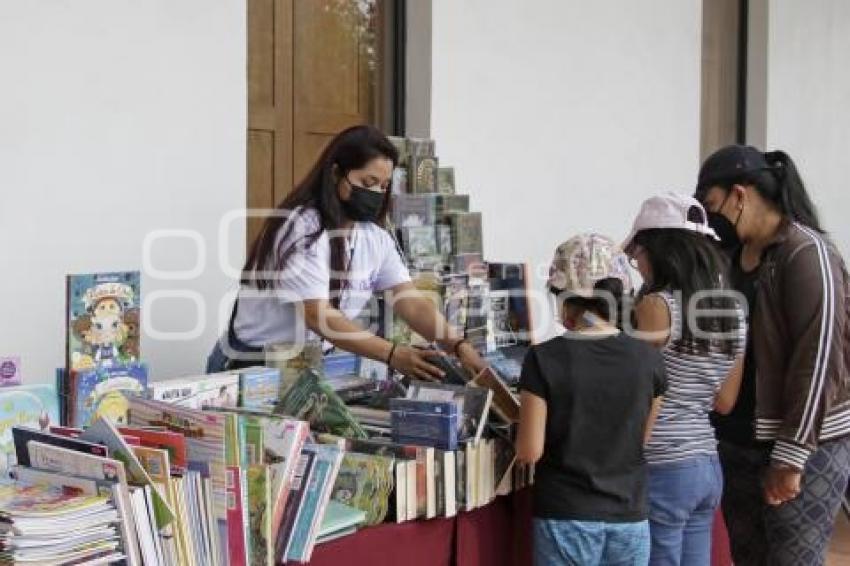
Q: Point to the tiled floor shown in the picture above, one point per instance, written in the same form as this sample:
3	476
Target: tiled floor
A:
839	551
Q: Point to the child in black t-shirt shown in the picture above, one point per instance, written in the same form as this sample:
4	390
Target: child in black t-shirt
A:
587	401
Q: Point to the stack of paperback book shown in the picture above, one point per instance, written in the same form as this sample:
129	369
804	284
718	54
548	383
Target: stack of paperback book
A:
35	520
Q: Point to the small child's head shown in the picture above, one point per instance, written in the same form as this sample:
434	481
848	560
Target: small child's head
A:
589	276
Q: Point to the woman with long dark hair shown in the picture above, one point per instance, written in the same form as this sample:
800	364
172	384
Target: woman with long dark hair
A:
687	310
785	448
320	257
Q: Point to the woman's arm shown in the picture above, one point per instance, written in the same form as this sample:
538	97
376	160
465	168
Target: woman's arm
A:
650	420
653	320
531	435
727	395
419	312
323	319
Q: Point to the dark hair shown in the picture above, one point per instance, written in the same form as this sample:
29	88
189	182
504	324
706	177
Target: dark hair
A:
351	149
779	183
601	305
686	262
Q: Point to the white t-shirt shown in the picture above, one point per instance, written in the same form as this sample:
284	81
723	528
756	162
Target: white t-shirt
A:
272	316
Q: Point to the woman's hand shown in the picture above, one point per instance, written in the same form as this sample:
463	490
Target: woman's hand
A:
470	359
413	362
781	484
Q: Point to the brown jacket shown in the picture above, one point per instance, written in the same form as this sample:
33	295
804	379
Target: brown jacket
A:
801	341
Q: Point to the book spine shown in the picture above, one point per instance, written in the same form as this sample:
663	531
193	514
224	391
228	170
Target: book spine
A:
301	476
235	522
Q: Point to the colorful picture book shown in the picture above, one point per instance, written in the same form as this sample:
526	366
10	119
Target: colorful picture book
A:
32	406
102	392
103	319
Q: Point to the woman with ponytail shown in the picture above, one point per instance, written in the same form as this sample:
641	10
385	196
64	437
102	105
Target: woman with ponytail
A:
319	258
785	447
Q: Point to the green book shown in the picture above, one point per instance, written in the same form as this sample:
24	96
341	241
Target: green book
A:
339	518
259	515
365	482
312	399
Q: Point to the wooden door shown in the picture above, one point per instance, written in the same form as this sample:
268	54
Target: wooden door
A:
315	67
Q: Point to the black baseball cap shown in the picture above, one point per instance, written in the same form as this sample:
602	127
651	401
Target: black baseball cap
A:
727	164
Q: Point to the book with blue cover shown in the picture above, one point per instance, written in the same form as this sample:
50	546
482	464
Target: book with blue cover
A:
426	423
103	392
316	497
259	388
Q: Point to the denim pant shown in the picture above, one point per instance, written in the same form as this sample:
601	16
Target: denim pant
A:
683	497
590	543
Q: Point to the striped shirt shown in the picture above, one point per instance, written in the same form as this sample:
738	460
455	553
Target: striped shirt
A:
682	429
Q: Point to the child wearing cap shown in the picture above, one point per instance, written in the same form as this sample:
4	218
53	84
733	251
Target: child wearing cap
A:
586	404
683	270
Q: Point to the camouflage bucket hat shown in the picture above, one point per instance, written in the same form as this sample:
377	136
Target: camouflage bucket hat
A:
585	259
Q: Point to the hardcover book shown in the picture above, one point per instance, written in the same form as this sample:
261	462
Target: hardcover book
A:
259	515
198	392
422	174
446	180
447	204
102	392
400	144
473	404
429	423
259	388
410	210
365	482
419	241
466	232
31	406
103	319
421	147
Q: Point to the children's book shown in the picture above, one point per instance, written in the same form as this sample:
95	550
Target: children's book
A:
102	392
172	442
205	446
259	388
33	406
104	432
365	482
198	392
260	515
22	436
58	459
103	319
339	520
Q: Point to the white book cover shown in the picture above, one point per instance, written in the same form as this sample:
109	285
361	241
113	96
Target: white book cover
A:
143	527
55	458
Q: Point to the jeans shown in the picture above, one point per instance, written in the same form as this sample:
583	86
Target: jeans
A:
590	543
683	497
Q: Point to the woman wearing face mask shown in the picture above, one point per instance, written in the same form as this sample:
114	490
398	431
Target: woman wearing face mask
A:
318	260
673	248
785	448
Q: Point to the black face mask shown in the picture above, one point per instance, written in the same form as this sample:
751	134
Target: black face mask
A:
363	205
725	228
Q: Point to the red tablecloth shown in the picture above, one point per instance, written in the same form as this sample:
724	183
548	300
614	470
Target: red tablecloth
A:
498	534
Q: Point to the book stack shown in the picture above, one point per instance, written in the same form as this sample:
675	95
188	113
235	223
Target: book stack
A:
103	362
34	521
442	239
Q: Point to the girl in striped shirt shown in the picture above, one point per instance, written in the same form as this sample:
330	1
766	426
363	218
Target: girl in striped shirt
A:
687	310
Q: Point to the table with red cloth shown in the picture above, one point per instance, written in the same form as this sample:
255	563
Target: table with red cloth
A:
498	534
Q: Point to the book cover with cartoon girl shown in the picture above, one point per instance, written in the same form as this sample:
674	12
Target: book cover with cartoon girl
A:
103	322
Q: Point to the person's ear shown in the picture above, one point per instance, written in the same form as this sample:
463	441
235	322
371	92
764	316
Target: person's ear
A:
740	191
